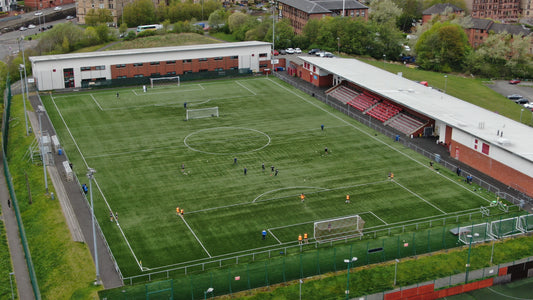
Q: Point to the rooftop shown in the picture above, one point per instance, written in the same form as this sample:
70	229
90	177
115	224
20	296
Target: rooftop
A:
459	114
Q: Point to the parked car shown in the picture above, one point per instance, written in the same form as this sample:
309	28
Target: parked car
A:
320	53
514	97
275	52
31	26
23	28
521	101
57	8
39	13
313	51
289	50
328	54
514	81
282	52
528	105
70	17
297	50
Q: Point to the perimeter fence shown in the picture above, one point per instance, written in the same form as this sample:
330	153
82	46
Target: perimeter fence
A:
5	130
228	275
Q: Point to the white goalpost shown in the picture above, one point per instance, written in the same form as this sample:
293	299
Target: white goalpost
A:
202	113
339	228
172	80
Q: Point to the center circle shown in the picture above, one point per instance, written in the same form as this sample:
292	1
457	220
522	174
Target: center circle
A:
226	140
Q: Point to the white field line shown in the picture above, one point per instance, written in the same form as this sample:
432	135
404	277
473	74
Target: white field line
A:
507	296
378	218
196	237
246	88
95	181
275	237
97	104
419	197
135	93
373	137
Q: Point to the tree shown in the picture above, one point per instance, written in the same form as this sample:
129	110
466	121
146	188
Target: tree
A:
384	12
139	12
123	28
284	34
217	18
98	16
236	20
443	47
310	31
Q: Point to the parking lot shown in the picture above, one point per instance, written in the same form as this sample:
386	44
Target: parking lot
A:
504	88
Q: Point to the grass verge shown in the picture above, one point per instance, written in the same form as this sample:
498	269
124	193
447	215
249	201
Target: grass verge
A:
64	268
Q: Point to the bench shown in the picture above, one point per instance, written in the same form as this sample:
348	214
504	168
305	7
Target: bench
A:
68	171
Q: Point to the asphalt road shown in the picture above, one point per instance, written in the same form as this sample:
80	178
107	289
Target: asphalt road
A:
504	88
9	40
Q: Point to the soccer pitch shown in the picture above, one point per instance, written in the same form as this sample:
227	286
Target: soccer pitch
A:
137	142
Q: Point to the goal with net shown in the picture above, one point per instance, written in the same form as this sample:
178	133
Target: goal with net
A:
158	81
339	228
202	113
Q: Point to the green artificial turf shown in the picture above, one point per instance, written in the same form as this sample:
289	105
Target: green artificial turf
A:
138	142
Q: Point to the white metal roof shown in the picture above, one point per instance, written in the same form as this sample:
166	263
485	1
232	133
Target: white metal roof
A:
477	121
147	51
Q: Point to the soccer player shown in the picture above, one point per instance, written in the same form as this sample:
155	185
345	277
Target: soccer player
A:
111	216
182	212
183	167
272	168
347	198
276	173
264	234
144	88
184	104
302	197
391	176
118	95
245	170
263	167
178	210
300	239
306	240
116	216
85	189
322	127
326	150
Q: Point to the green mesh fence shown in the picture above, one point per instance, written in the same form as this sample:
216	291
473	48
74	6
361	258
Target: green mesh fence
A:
23	240
293	263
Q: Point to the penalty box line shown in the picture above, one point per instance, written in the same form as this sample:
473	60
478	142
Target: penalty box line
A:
196	237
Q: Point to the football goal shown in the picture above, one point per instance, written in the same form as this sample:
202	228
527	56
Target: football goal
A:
202	113
339	228
172	80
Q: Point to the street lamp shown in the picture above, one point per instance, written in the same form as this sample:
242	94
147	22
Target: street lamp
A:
469	250
384	57
348	262
90	175
209	290
338	46
445	83
301	281
521	111
395	271
23	100
11	284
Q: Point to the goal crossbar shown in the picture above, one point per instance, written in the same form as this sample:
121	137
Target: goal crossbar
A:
202	113
338	228
171	80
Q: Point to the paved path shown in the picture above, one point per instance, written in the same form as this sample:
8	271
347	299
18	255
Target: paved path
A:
20	268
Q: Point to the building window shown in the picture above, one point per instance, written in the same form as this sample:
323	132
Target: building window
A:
202	59
263	65
154	63
155	74
187	60
171	73
234	57
234	68
120	66
170	62
99	68
110	5
85	68
362	13
219	58
187	72
219	69
138	75
262	55
121	77
203	70
138	64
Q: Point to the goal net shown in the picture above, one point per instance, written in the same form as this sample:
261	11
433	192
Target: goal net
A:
475	233
505	227
340	228
172	80
202	113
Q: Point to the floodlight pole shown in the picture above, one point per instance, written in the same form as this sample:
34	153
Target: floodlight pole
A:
25	84
273	32
40	112
468	259
90	175
209	290
11	284
338	46
395	271
521	111
23	100
445	83
343	6
348	262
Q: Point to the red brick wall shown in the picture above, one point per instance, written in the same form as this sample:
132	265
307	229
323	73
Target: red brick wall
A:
494	169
